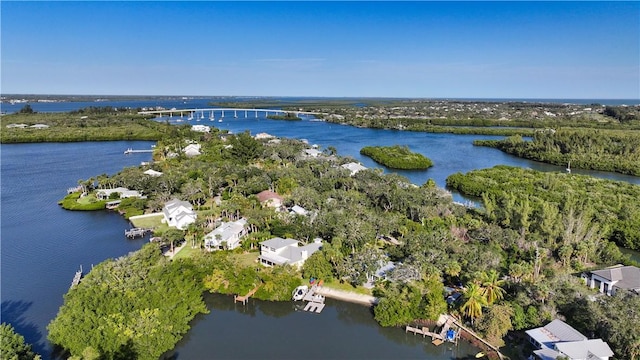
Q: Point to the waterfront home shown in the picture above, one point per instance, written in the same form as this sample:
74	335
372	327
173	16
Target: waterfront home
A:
152	173
279	251
201	128
226	236
178	214
270	199
104	194
558	339
613	278
354	167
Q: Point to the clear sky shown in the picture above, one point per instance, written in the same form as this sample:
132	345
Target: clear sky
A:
358	49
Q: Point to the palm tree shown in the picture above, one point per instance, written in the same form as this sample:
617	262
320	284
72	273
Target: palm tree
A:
492	287
474	301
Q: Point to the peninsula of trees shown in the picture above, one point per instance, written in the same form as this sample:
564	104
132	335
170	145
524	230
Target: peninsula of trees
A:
88	124
604	150
516	260
397	157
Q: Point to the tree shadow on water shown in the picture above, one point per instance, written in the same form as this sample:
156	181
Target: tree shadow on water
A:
13	312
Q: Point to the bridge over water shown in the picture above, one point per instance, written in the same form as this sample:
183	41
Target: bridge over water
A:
202	113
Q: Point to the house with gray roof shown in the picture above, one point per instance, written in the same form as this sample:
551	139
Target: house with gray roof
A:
610	279
558	339
226	236
279	251
178	214
354	167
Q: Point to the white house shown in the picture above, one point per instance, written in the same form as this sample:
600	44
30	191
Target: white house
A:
312	152
227	235
263	136
557	338
201	128
354	167
298	210
178	214
610	279
278	251
152	173
103	194
192	150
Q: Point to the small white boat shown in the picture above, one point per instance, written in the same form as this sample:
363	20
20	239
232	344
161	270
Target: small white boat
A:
299	292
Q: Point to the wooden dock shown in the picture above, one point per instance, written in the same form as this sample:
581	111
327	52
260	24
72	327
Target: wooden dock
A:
136	232
132	151
440	337
424	331
76	278
245	298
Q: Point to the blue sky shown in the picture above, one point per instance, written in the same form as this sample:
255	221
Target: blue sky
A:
368	49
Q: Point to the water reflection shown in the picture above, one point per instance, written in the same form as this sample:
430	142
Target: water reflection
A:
280	330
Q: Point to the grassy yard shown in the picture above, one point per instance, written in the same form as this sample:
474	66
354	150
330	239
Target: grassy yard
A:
147	222
187	251
335	284
246	259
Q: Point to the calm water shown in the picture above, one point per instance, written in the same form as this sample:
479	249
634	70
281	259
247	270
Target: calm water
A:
42	245
265	330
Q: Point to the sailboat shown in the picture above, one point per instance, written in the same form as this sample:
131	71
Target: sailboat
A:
211	117
569	167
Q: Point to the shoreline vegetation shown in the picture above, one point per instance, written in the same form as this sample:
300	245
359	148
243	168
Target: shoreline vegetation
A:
561	133
288	117
88	124
514	260
397	157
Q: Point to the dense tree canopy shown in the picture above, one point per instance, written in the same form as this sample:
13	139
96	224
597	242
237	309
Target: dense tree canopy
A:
397	157
137	306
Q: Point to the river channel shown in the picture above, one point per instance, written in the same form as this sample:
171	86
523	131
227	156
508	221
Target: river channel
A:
42	245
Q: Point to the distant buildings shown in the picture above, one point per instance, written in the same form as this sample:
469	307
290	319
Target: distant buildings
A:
201	128
192	150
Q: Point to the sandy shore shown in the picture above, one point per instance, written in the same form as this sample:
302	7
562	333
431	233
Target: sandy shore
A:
362	299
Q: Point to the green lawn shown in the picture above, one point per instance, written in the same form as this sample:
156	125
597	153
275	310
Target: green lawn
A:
187	251
149	222
335	284
246	259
